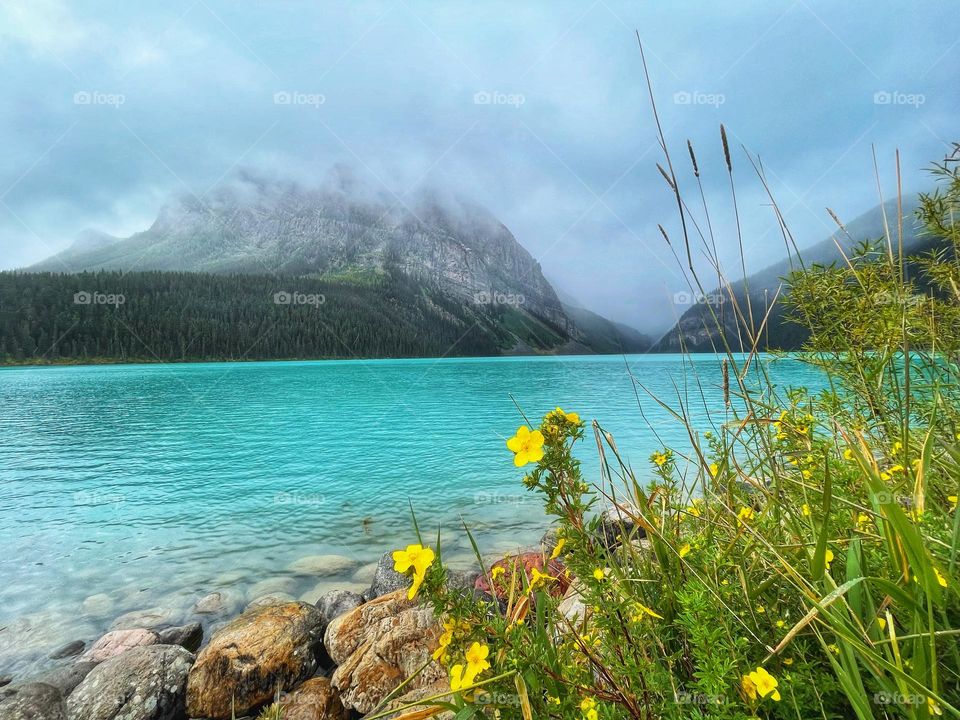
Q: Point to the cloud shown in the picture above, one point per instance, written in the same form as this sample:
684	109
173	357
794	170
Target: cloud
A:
539	111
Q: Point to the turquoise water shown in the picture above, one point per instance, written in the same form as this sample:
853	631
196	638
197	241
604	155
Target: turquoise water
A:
124	488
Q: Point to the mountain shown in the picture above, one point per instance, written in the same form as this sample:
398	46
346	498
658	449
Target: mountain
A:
446	259
697	331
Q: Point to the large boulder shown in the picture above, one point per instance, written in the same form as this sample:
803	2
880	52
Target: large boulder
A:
117	642
316	699
71	649
66	677
264	649
146	683
380	645
386	579
407	700
32	701
151	618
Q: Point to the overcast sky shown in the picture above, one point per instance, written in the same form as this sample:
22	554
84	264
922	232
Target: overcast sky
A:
537	110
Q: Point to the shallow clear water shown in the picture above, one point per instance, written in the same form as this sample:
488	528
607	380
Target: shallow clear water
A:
124	488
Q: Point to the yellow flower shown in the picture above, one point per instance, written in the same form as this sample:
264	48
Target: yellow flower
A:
599	574
788	661
833	648
765	684
569	417
497	572
417	557
714	469
953	501
526	445
746	513
459	679
897	447
761	609
828	558
940	578
558	548
882	623
660	458
588	703
848	454
805	510
446	637
685	550
640	611
896	469
862	520
538	578
748	687
694	508
933	708
781	624
476	658
591	714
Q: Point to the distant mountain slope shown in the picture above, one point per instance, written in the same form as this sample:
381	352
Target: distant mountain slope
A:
446	259
697	331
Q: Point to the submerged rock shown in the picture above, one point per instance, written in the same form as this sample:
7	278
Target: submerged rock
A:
322	565
71	649
118	642
32	701
380	645
272	586
66	678
99	605
150	618
264	649
216	603
147	683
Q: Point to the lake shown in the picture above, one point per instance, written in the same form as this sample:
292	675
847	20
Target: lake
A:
127	488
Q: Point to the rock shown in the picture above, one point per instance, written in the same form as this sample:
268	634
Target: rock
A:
276	598
99	605
316	699
66	678
386	579
548	541
379	645
32	701
327	586
617	526
572	606
437	688
146	683
215	603
526	562
336	603
272	586
365	573
464	580
246	661
118	642
322	565
186	636
151	618
5	680
71	649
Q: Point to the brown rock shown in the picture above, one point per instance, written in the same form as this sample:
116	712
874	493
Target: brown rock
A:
524	562
405	701
316	699
379	645
117	642
246	661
